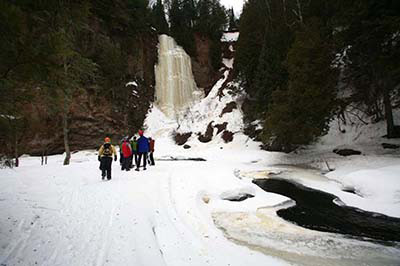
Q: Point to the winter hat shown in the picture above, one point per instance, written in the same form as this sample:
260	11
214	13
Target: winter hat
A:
107	140
140	132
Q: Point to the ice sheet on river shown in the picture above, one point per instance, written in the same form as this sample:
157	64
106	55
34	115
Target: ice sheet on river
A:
264	231
267	233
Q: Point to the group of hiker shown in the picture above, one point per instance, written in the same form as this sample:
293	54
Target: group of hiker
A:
132	151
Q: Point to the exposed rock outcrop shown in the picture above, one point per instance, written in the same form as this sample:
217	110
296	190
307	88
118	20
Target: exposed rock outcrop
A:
221	127
227	136
207	136
181	139
346	152
390	146
228	108
91	119
201	65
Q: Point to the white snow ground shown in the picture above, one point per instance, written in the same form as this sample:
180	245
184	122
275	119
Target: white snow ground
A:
170	213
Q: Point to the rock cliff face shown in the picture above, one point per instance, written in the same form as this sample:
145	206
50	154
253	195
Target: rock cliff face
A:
92	116
204	74
201	65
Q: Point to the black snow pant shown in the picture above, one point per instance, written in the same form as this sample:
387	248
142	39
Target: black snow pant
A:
105	166
144	154
126	163
131	161
135	154
151	158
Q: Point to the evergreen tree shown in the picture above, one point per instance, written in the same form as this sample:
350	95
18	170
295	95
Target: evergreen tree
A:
189	12
252	36
21	68
203	23
261	52
232	21
218	21
68	68
300	114
265	64
158	14
180	21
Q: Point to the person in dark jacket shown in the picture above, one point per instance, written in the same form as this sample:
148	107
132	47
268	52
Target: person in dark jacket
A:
143	149
121	156
127	153
106	153
151	147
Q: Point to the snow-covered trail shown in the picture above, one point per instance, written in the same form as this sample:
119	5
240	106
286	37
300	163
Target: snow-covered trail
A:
68	216
65	215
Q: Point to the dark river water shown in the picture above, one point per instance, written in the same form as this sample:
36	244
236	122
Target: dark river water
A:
316	210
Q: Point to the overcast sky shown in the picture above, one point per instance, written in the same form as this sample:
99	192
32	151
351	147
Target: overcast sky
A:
236	4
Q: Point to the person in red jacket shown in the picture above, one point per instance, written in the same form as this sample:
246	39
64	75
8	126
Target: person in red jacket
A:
151	146
127	153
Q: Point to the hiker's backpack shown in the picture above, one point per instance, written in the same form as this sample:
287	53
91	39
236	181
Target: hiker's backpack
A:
107	149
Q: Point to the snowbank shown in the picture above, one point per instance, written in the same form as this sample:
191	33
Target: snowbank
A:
230	37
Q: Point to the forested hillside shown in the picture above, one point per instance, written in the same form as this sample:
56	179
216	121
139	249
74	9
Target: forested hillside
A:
64	66
304	62
66	63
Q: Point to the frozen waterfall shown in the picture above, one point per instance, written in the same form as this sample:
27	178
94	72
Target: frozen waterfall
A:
175	86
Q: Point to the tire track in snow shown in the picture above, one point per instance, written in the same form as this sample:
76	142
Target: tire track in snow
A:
105	246
83	228
19	244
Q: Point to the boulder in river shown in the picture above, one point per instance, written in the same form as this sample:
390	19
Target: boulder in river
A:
346	152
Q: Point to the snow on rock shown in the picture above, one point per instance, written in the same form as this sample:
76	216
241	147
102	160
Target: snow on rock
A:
131	83
379	187
227	62
230	37
237	193
10	117
196	118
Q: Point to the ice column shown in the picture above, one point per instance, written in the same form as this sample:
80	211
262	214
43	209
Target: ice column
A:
175	85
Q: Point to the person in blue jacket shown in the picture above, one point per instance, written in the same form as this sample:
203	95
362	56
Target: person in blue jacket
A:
142	149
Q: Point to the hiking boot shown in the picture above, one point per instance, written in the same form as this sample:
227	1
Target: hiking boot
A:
144	168
137	169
